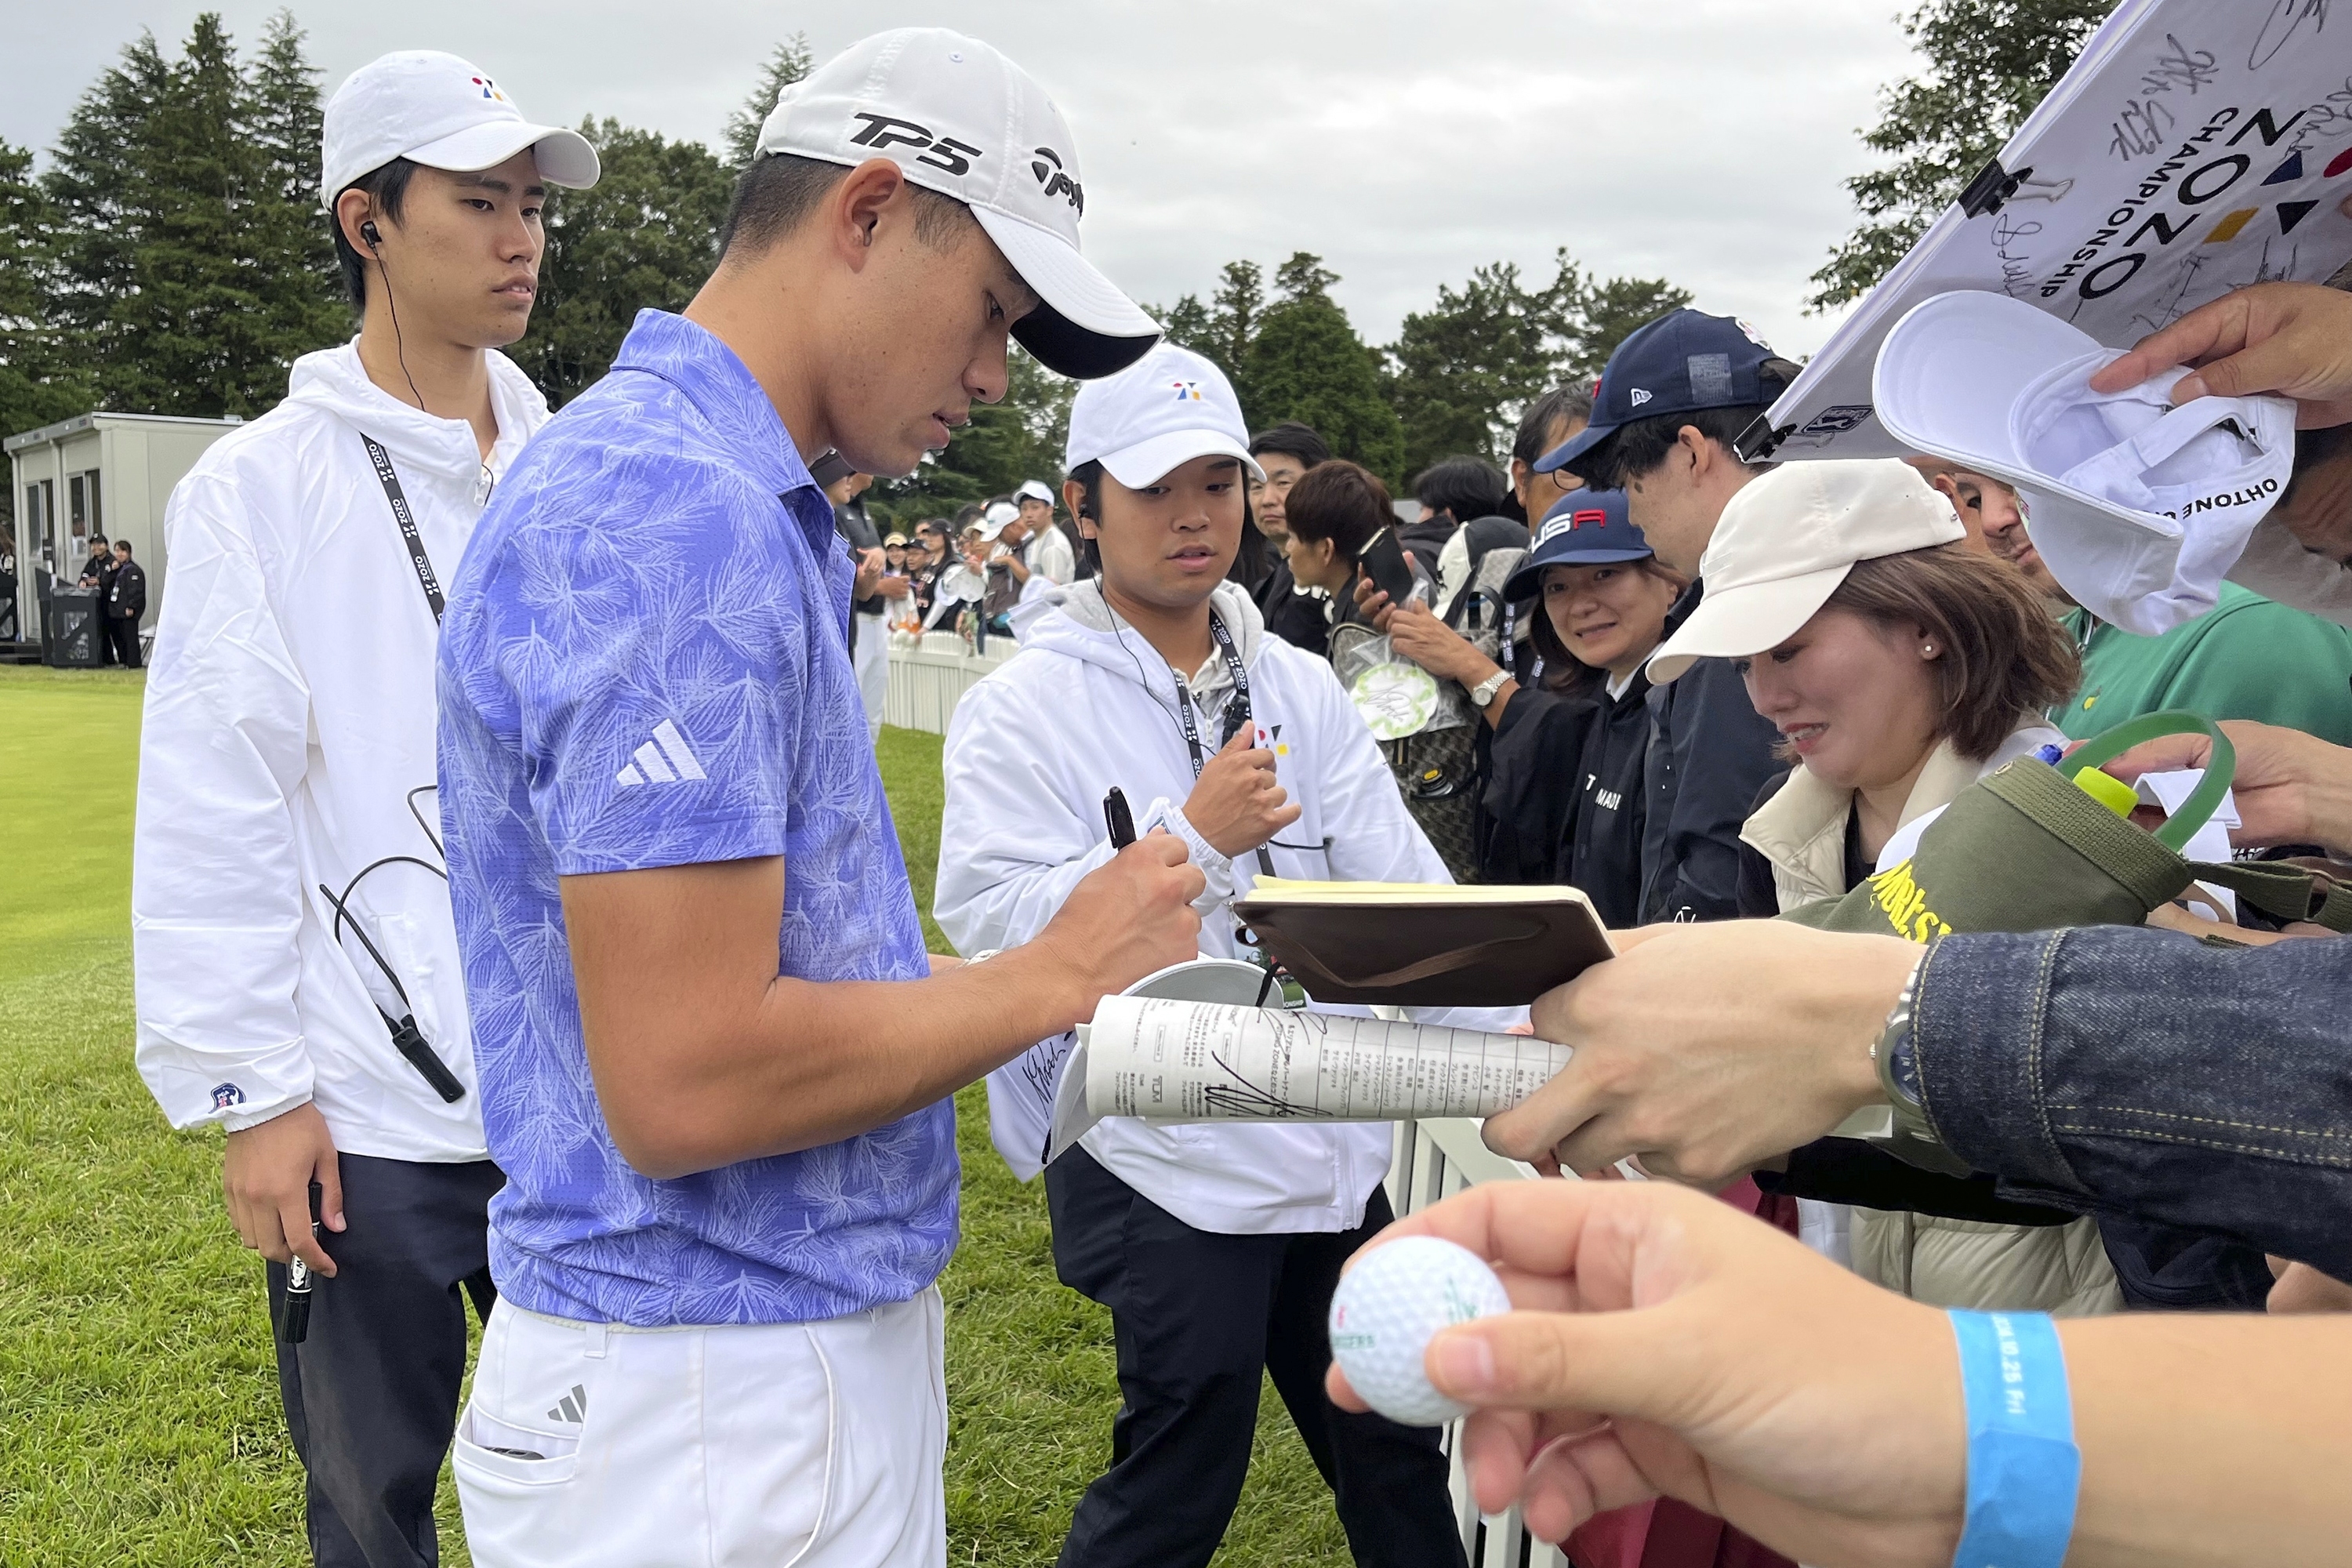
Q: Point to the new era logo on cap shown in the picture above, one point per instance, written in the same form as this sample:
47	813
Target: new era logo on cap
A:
960	119
665	759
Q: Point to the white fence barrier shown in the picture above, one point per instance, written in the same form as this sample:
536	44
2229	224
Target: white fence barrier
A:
1432	1160
928	679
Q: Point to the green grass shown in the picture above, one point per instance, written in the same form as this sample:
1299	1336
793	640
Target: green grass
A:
139	1421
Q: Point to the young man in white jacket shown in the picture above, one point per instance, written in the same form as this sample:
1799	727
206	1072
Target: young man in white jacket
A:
296	965
1215	1248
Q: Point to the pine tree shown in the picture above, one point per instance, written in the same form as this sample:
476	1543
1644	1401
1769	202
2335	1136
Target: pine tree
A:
38	383
185	276
288	234
1222	331
1461	371
645	237
787	63
1989	63
1602	313
1306	363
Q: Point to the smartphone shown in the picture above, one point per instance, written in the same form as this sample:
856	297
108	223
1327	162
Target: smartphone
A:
1383	562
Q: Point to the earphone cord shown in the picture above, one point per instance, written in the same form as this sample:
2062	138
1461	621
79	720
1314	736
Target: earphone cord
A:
399	346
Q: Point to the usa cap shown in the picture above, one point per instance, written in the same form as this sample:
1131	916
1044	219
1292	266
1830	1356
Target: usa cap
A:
960	119
437	110
1166	409
1685	361
1590	528
2137	508
1786	541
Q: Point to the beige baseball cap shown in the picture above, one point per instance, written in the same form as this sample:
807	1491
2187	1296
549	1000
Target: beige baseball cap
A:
1785	542
960	119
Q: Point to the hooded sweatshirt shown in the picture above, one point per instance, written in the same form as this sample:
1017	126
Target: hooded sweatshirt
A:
1033	750
289	742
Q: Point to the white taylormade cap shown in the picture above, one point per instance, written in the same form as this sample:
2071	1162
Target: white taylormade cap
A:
961	119
437	110
2137	508
1785	542
1166	409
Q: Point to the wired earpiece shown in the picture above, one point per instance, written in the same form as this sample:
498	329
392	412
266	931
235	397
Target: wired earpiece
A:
375	238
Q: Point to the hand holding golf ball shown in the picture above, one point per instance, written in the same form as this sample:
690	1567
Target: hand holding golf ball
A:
1388	1307
1637	1338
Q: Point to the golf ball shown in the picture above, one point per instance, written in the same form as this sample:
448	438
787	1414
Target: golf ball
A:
1386	1310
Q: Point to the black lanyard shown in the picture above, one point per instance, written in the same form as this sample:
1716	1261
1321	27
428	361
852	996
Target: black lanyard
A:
1238	710
401	515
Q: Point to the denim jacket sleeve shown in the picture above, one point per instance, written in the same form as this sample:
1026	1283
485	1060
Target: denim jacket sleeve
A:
2132	1071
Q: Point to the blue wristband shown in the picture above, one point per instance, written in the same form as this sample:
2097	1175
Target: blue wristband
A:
2025	1470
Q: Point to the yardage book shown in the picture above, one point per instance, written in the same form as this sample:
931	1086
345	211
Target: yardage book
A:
1424	944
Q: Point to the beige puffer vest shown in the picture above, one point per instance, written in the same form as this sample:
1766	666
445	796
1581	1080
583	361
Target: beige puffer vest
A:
1971	1264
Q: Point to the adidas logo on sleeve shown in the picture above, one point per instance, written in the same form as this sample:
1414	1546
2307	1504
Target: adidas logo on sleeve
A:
665	759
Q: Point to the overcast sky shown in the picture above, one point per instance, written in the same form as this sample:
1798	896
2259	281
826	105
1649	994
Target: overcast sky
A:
1703	141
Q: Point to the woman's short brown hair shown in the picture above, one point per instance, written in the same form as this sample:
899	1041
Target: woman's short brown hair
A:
2003	658
1342	501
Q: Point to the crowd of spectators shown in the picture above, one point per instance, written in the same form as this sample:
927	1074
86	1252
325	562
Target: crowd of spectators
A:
672	950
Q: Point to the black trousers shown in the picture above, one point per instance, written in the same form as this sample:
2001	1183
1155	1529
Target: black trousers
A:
123	641
1197	1318
371	1394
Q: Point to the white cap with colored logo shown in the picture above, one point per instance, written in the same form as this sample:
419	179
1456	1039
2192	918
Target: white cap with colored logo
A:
2137	508
437	110
1786	541
960	119
1166	409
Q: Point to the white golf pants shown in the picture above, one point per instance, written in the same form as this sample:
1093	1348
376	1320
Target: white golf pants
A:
759	1445
871	660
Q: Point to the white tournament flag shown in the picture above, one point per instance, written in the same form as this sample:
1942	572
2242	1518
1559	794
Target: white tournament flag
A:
2196	146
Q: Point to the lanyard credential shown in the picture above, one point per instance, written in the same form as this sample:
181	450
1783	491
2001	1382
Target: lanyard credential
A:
401	515
1239	710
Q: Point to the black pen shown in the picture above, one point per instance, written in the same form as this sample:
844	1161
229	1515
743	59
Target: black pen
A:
1119	819
295	1325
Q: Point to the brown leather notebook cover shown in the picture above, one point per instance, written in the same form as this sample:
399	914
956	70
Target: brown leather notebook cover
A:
1452	948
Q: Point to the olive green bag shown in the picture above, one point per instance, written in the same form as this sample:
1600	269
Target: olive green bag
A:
2024	849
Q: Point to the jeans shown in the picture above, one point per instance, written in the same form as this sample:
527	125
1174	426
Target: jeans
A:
2133	1072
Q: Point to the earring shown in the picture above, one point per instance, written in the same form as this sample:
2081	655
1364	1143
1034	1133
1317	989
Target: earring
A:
1926	650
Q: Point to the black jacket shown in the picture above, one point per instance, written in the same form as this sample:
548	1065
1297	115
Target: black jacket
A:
126	593
1296	617
1564	795
1427	540
858	532
1709	754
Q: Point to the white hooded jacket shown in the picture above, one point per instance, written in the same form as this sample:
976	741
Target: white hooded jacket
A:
1032	752
288	742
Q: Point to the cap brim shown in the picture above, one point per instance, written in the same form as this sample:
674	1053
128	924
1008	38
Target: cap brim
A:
1149	462
1575	447
1083	326
564	157
1739	623
1523	583
1949	372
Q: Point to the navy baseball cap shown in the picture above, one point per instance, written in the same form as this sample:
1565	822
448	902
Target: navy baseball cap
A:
1588	528
1685	361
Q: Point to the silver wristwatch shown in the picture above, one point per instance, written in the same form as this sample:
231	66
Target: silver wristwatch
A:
1484	693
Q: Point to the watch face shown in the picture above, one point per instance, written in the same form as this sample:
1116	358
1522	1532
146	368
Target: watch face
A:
1903	1068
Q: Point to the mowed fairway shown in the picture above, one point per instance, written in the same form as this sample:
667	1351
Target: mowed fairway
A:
139	1422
